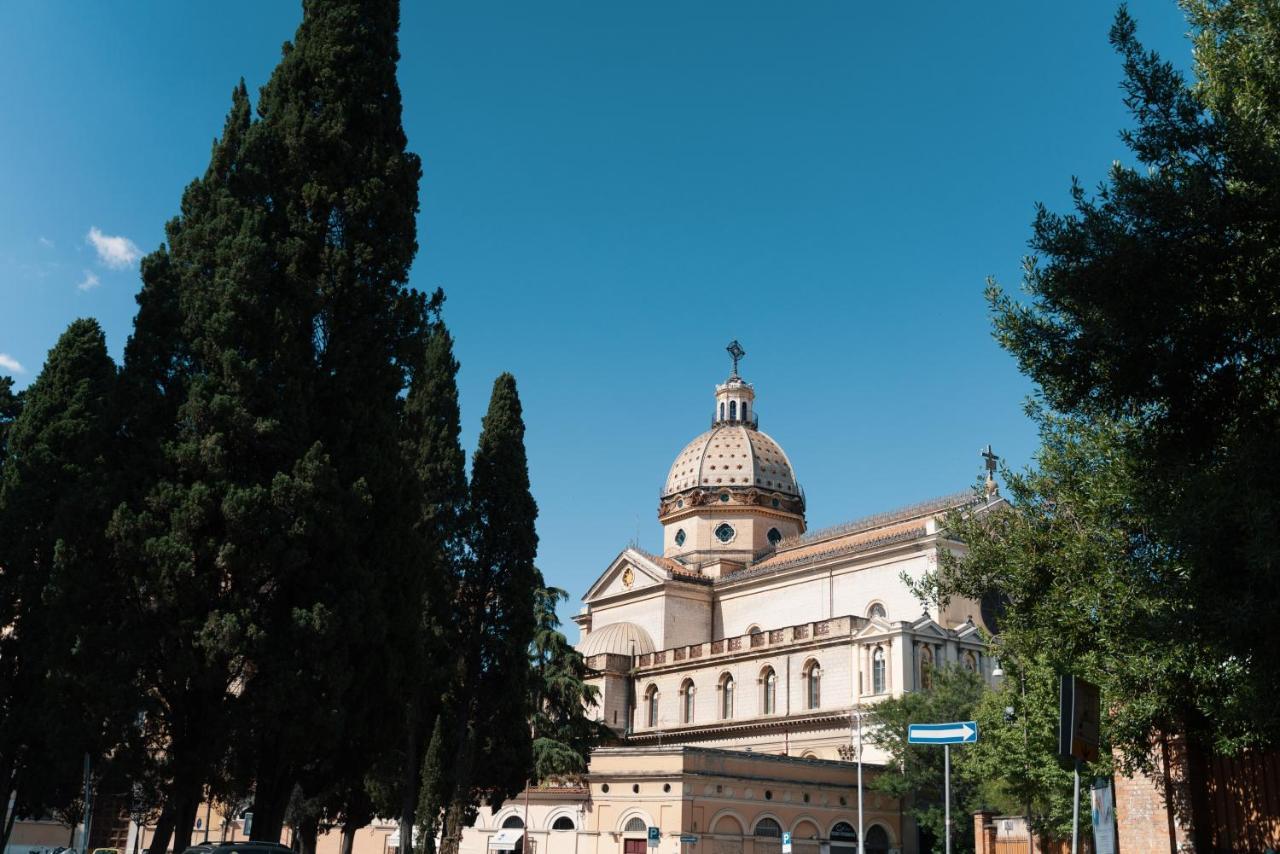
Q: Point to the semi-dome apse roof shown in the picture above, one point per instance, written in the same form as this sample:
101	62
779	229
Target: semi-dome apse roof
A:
618	639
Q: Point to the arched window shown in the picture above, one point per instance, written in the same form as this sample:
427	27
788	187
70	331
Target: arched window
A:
768	827
722	410
562	823
733	410
926	667
877	840
844	837
635	824
970	662
686	702
726	696
768	691
876	610
513	821
812	685
877	671
754	630
651	704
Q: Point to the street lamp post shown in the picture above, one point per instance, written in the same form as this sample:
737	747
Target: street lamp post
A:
855	726
998	673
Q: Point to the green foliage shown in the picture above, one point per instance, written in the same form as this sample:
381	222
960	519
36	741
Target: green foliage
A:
482	745
563	733
1016	755
916	770
63	681
1151	324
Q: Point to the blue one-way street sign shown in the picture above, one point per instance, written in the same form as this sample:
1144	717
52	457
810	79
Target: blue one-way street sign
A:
957	732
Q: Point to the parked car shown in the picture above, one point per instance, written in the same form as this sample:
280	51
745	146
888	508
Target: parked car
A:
202	848
251	848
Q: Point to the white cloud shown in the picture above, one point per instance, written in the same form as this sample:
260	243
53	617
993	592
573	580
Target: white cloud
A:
115	252
46	243
89	282
10	364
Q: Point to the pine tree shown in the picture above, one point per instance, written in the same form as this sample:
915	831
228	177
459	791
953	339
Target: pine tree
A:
344	194
63	683
563	734
483	747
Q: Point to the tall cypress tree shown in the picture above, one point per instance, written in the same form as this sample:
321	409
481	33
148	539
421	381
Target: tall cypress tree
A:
219	368
432	450
344	192
483	747
60	676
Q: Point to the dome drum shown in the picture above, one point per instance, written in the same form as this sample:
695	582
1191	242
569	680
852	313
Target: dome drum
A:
701	499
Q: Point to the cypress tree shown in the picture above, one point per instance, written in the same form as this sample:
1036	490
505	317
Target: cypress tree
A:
431	426
225	512
489	714
344	192
60	677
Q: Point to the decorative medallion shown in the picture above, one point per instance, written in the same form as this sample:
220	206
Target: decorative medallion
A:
628	578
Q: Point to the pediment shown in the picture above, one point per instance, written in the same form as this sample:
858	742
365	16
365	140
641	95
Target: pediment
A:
629	572
926	626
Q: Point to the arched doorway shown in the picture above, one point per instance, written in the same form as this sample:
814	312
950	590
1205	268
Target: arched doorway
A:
877	840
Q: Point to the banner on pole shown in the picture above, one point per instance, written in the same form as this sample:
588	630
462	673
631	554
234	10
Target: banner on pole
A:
1104	817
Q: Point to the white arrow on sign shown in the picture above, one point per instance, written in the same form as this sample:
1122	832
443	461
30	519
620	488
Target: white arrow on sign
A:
962	731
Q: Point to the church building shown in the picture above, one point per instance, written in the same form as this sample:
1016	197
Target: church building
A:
733	665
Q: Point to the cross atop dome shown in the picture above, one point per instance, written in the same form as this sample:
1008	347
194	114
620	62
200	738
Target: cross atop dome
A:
736	353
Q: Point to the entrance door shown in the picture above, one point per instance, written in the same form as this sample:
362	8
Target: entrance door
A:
634	846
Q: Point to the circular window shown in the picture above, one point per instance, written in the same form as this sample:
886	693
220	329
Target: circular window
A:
724	496
776	503
724	533
768	794
666	787
680	537
775	536
605	789
679	502
635	788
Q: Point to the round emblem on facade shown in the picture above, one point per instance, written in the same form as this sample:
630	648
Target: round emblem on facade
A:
628	577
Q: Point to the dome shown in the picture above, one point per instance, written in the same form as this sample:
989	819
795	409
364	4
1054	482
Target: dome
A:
732	455
618	639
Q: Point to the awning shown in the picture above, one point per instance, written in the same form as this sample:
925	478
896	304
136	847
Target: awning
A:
506	839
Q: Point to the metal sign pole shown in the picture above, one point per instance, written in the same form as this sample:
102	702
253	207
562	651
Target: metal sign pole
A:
861	849
1075	813
946	783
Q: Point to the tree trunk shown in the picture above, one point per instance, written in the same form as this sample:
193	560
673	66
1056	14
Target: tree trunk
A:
164	829
348	843
306	834
184	815
7	830
412	786
8	795
271	796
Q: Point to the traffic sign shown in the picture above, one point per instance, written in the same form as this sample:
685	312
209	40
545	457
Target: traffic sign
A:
1078	719
655	834
956	732
786	842
688	839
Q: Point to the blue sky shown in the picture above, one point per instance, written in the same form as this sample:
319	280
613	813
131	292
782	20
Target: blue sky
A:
612	192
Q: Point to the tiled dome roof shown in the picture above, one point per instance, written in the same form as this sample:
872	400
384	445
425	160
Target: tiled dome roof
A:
617	638
733	456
